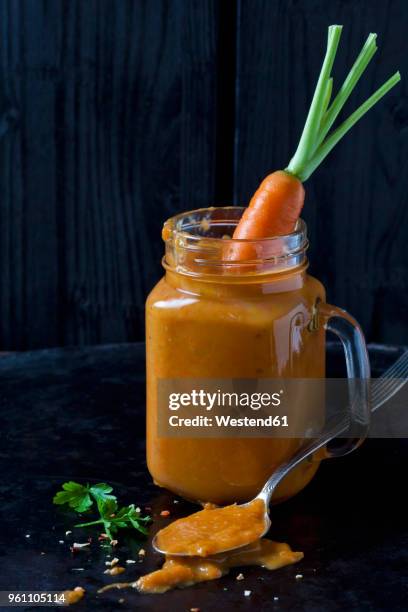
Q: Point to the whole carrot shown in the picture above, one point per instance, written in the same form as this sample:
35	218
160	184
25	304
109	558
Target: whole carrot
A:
276	205
274	208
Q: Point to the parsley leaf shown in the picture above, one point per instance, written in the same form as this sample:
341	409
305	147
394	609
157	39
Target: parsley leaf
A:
101	491
75	495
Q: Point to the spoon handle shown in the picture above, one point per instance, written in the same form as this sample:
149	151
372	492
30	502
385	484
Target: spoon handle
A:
381	394
305	451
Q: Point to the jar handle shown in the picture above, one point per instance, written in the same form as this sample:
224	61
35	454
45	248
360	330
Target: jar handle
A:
346	328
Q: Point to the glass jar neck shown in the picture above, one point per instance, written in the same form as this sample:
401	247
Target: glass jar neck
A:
200	244
230	287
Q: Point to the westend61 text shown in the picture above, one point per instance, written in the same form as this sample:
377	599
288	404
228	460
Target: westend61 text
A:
228	421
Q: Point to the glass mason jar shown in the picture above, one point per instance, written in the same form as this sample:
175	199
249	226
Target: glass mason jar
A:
260	316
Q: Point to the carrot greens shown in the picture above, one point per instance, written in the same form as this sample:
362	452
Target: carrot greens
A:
316	141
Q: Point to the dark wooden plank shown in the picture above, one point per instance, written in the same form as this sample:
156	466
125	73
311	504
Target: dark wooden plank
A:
107	127
357	203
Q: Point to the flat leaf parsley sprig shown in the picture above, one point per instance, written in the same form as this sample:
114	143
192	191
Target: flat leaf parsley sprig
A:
82	498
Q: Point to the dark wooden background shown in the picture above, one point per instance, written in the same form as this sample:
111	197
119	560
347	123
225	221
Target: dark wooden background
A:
116	114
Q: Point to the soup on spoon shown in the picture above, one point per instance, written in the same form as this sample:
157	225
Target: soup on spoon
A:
213	530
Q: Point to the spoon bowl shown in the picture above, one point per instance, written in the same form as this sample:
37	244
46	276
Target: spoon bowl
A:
210	532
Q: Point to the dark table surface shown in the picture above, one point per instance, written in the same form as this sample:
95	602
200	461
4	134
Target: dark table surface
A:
78	414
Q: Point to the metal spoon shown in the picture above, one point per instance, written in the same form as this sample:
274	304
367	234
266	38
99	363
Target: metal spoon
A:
382	393
267	491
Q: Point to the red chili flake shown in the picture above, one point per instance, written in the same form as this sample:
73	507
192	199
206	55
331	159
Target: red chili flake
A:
165	513
103	536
